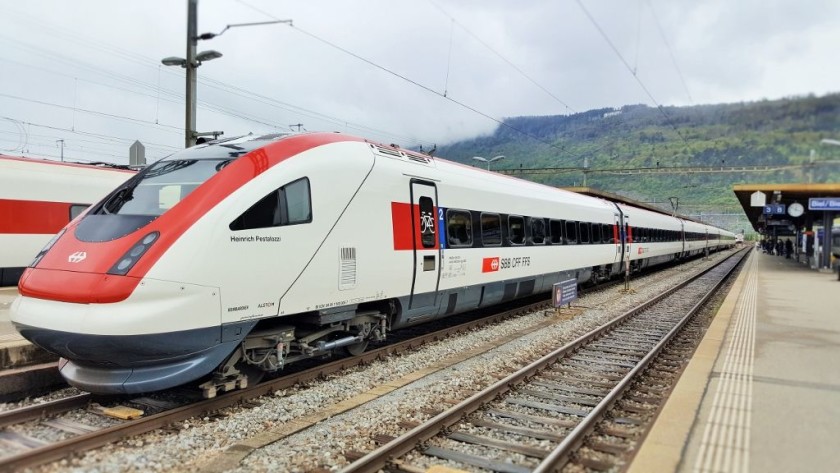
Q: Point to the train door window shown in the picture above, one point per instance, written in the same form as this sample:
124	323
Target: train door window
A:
288	205
77	209
583	233
537	231
491	230
556	228
427	221
571	232
516	229
459	228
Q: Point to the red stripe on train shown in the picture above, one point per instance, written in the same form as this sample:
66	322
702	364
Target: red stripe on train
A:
33	217
402	228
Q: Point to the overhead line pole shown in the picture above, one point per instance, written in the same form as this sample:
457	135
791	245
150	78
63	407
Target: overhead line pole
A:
191	66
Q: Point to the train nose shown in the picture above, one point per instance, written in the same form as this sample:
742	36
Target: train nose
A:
162	335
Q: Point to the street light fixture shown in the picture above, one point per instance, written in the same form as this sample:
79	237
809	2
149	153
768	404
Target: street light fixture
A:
191	63
488	161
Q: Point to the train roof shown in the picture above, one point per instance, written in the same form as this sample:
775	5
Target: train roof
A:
78	165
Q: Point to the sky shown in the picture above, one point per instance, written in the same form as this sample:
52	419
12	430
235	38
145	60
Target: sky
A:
409	72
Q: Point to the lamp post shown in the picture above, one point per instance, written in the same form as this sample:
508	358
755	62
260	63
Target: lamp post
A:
194	60
488	161
191	63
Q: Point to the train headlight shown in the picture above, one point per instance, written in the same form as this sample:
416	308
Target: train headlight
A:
127	261
47	248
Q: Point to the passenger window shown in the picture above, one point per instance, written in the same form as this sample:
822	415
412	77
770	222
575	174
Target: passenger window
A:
596	233
571	233
516	230
607	234
459	228
556	227
537	231
288	205
583	233
491	230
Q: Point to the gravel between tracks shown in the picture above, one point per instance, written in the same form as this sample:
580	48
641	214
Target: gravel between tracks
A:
189	446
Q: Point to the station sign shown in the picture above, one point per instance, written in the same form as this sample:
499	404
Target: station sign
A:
824	203
564	292
774	209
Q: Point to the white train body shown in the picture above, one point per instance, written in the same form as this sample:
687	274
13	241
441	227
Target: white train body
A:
306	244
37	199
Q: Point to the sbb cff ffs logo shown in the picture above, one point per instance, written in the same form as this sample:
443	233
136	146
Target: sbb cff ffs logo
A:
490	265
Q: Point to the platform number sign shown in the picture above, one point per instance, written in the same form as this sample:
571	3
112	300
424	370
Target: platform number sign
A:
774	209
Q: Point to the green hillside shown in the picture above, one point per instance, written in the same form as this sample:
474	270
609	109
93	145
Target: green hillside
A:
771	132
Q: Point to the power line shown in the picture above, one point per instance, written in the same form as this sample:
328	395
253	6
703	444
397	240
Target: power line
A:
670	52
629	68
144	60
407	79
93	112
503	58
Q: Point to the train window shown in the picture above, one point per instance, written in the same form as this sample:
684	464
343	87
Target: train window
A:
459	228
76	210
556	227
288	205
160	186
491	230
596	233
571	232
537	231
583	232
607	233
516	229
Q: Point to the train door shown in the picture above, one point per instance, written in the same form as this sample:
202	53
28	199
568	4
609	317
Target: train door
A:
618	235
424	224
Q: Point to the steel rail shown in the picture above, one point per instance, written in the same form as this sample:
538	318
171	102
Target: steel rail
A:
46	409
59	450
558	458
380	457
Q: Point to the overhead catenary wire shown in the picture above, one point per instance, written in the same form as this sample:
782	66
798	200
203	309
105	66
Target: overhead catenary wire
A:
409	80
503	58
670	51
630	69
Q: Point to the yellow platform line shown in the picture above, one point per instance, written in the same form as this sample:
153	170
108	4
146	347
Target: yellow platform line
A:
664	446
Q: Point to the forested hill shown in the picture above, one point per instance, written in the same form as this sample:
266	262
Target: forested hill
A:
769	132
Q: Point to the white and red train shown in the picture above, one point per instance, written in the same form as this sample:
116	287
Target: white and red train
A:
248	254
38	198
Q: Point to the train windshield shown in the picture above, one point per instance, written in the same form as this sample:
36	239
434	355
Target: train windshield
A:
162	185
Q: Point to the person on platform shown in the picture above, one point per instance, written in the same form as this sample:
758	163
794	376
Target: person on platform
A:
788	248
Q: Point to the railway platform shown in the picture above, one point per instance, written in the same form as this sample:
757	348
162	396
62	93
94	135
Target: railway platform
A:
762	392
15	351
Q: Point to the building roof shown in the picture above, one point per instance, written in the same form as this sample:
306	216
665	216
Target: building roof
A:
784	194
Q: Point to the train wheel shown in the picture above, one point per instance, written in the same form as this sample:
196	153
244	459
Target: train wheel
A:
253	374
357	348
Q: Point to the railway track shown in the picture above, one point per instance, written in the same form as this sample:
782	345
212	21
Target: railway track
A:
77	436
535	419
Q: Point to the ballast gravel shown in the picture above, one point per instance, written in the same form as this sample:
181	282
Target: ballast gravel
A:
192	445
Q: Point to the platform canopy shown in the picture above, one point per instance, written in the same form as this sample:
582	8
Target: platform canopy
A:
784	201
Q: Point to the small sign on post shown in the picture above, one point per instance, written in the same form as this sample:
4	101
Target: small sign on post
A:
565	292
